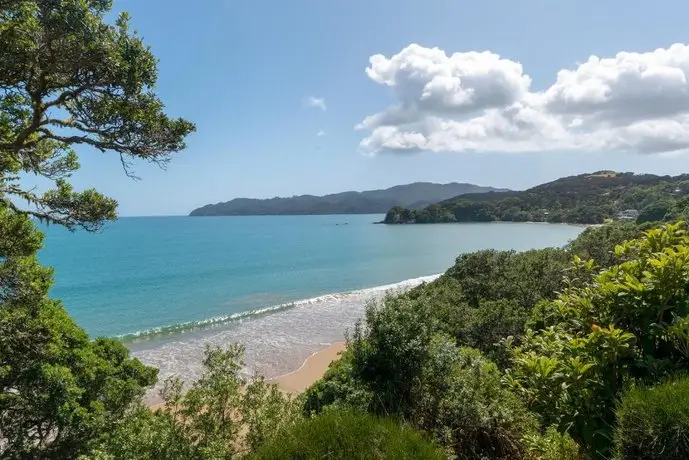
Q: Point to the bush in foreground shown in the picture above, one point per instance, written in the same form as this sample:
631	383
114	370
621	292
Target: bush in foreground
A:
552	445
348	435
398	365
630	324
654	423
221	416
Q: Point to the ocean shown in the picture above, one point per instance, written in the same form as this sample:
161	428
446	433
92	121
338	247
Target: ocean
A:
285	286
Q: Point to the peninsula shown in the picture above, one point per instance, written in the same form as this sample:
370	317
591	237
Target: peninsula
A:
413	196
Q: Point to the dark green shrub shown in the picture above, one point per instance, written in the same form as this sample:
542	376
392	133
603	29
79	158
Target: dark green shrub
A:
598	243
348	435
654	423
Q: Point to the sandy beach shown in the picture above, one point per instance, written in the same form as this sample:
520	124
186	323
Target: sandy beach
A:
299	380
313	369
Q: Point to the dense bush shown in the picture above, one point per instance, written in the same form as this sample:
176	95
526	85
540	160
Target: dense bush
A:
628	324
400	360
71	73
598	243
348	435
411	371
552	445
654	423
522	277
338	389
59	391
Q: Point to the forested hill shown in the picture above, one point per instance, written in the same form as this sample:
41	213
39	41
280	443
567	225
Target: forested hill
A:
412	196
585	199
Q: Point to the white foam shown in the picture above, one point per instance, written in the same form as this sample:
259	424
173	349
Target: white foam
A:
277	341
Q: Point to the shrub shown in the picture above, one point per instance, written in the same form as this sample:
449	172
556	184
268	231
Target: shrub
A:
552	445
348	435
629	324
654	423
406	369
337	389
458	398
598	243
221	416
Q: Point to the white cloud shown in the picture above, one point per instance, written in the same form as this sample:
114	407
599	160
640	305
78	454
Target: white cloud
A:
315	102
320	133
637	102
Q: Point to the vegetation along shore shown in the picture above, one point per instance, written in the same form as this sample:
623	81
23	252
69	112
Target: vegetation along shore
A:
584	199
579	352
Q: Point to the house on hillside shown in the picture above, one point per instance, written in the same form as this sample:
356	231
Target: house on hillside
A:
628	214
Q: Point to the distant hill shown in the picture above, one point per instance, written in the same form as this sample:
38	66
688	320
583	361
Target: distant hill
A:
412	196
586	199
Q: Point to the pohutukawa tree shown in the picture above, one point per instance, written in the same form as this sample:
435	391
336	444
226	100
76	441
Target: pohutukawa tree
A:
67	79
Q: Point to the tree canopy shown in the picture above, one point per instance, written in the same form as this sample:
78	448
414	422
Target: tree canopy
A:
67	79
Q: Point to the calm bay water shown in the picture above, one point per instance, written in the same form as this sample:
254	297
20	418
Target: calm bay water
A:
182	275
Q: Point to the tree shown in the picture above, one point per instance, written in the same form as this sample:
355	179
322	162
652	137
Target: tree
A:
67	79
654	212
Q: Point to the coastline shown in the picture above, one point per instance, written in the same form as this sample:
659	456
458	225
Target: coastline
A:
292	347
491	222
297	381
313	368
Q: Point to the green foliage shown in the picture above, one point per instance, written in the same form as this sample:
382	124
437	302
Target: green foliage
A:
629	323
523	278
409	370
598	243
552	445
654	423
459	398
66	79
220	416
573	381
389	353
337	389
58	390
348	435
654	212
585	199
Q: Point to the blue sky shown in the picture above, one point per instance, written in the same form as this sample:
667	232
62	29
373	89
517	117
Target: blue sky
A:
244	71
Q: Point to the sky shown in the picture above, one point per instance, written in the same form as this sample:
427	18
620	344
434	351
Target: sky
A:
322	96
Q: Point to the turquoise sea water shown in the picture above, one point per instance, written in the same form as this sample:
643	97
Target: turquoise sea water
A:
199	279
145	273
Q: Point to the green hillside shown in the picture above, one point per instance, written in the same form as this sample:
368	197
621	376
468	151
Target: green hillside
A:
583	199
412	196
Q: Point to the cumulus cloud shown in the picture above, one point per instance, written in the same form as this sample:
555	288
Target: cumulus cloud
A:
315	102
480	101
320	133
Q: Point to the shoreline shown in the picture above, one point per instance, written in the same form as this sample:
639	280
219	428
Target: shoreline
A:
313	368
171	330
292	347
382	222
297	381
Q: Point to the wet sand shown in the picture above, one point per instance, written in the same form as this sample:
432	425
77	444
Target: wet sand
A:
313	369
299	380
